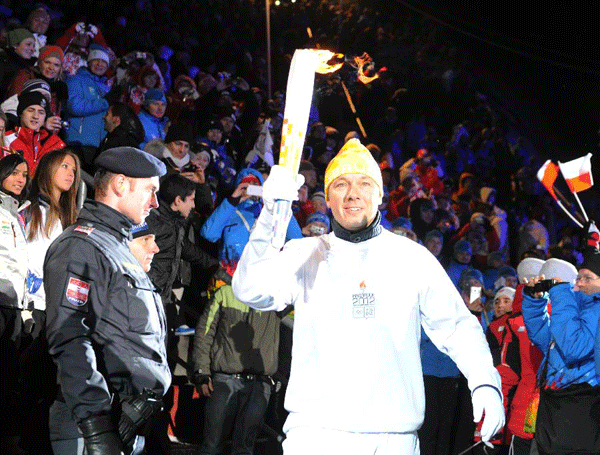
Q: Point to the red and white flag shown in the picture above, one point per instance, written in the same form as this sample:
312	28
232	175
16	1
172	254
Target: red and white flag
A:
578	173
548	174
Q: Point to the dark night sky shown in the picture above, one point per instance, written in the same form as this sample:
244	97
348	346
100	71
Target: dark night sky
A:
554	64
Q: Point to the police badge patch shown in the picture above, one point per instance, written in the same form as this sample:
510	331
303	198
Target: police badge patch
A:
77	292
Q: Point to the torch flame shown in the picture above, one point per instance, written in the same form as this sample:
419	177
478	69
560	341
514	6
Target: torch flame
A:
365	61
323	57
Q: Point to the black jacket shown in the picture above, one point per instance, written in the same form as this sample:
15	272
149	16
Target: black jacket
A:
169	228
106	325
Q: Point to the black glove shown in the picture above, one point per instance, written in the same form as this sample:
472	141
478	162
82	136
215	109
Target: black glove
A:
135	412
200	379
100	436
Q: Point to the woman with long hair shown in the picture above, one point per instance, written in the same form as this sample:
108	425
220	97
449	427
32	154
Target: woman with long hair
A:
14	179
53	207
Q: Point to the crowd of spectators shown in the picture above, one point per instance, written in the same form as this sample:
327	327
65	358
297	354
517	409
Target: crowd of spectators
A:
188	83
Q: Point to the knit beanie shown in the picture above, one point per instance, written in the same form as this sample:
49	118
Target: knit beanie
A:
561	269
353	158
36	85
469	274
529	268
97	52
32	99
51	51
506	291
179	132
320	217
463	246
507	271
402	222
17	35
431	234
154	94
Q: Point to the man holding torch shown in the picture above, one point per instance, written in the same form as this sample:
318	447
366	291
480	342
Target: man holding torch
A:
361	295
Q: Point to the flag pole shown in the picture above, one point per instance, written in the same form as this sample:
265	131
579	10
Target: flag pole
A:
581	206
568	213
568	205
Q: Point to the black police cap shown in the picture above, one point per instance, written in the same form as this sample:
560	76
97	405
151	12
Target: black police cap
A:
131	162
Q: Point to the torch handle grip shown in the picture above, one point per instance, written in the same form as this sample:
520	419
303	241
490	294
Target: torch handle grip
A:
281	218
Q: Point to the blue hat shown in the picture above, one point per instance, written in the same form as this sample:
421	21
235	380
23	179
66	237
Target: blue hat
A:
97	52
131	162
507	271
468	274
320	217
402	222
154	94
433	233
140	230
463	246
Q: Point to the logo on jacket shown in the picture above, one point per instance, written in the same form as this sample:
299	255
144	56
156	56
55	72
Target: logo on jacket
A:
87	230
363	303
77	292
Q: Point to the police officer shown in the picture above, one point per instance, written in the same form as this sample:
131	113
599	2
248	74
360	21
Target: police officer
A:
106	324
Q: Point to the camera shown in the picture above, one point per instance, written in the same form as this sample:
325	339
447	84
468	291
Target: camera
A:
320	230
190	167
540	286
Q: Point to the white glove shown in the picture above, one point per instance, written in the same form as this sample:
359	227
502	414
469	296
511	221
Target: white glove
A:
281	185
488	399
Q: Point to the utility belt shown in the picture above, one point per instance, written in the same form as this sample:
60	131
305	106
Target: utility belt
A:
248	377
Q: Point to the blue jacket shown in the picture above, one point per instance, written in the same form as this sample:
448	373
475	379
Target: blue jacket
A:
86	107
233	224
572	326
154	128
434	362
454	271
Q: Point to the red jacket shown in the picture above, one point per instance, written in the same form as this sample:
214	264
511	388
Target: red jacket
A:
529	361
32	145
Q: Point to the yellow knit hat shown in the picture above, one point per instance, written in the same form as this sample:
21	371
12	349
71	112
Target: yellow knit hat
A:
353	158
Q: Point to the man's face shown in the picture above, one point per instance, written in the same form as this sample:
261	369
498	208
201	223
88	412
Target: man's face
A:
139	198
214	135
157	109
184	206
310	177
144	248
587	282
33	117
97	67
227	123
178	149
111	121
353	200
434	245
50	67
462	257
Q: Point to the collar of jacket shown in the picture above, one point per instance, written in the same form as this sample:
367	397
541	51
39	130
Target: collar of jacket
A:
165	210
106	217
9	203
373	230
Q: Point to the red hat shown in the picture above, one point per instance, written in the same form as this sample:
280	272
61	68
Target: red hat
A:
51	51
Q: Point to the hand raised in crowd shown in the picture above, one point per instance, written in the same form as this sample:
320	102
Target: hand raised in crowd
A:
240	192
531	283
197	176
53	124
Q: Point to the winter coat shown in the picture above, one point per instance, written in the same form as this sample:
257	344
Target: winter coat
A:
154	128
32	145
86	107
36	249
233	338
566	337
10	64
59	92
13	253
434	362
174	245
232	224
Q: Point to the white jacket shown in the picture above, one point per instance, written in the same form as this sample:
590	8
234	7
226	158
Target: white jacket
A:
36	249
359	308
13	255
